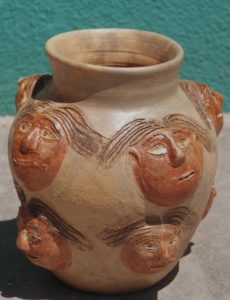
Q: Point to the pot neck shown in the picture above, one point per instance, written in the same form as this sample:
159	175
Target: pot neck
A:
122	87
113	65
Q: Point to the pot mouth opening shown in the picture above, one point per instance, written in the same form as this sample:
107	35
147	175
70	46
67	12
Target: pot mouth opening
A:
114	50
116	59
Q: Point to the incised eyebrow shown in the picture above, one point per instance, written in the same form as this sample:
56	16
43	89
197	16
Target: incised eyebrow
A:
155	136
52	124
27	115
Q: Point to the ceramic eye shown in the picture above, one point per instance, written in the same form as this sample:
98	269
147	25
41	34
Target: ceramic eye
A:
158	149
25	127
33	238
172	243
47	135
151	247
183	143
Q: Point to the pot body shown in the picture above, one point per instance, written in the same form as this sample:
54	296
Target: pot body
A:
113	159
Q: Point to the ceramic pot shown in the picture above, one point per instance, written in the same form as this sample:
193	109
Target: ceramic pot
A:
113	158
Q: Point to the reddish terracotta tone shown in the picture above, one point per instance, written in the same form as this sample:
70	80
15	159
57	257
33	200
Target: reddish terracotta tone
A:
38	150
25	86
23	217
214	102
207	102
151	248
40	243
168	165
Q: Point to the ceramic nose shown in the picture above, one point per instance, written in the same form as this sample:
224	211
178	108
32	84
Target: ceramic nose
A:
166	253
30	143
22	241
176	155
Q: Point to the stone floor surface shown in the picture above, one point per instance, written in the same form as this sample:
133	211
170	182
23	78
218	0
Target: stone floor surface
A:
202	274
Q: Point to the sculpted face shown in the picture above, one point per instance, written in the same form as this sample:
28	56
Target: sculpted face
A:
168	165
152	248
41	244
38	149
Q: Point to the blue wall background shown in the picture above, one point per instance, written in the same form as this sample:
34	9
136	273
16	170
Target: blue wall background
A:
202	27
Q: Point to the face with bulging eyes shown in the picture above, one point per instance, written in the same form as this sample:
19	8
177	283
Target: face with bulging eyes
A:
38	149
151	249
168	165
40	243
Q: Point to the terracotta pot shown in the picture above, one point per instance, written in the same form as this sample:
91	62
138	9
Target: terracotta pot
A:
113	158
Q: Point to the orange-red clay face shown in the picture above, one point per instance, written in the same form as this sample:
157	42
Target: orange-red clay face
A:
38	149
151	249
168	165
41	244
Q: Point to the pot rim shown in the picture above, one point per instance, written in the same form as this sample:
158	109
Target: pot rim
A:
140	70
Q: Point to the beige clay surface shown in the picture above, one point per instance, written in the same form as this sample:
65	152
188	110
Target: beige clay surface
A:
113	186
203	273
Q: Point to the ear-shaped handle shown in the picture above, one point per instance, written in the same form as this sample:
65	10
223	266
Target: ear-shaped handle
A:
206	101
214	102
21	96
219	98
218	103
25	89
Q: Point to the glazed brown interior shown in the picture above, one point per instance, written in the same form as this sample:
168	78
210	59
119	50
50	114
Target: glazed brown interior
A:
113	48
